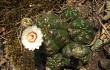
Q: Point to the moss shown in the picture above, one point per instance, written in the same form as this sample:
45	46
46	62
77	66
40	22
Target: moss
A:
21	59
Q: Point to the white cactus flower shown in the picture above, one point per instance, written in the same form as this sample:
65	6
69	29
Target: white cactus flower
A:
32	37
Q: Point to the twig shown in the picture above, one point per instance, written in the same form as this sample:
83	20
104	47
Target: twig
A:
96	2
3	37
95	38
101	8
56	4
104	27
83	1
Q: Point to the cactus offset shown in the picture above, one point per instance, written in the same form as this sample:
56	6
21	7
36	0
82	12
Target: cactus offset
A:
57	61
75	50
81	31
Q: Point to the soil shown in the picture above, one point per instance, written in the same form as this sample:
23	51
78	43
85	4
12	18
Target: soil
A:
12	11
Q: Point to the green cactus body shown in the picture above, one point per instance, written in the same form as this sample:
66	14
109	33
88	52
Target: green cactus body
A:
51	47
81	31
80	51
50	21
75	50
67	50
59	36
57	61
54	31
69	14
85	59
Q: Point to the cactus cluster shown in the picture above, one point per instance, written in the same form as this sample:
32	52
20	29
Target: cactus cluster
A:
65	36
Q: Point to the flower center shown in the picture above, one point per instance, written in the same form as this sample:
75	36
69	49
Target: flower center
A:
32	36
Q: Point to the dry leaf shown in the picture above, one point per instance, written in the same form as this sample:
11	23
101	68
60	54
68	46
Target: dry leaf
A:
107	10
2	29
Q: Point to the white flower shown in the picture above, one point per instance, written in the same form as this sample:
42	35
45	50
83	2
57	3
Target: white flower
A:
32	37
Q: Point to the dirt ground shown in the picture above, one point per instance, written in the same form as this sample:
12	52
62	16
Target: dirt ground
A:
97	11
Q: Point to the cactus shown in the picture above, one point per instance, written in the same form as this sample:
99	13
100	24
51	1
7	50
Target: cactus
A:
75	50
69	14
85	59
54	31
55	28
57	61
81	31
